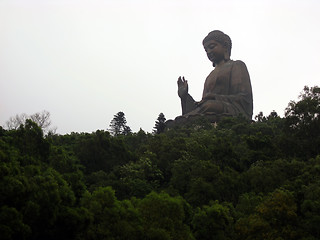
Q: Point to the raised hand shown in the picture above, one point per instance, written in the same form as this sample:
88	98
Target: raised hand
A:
182	87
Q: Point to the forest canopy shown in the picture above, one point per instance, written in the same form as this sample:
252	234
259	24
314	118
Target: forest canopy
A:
231	180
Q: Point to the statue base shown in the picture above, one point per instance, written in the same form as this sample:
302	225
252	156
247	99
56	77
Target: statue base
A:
194	119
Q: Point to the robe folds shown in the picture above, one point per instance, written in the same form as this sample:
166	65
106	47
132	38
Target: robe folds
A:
227	91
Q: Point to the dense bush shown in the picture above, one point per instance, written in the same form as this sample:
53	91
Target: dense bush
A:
236	180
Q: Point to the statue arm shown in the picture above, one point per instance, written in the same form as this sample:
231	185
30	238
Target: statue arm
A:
187	102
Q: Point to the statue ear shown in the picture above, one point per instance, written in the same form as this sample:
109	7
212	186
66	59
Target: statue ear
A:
226	53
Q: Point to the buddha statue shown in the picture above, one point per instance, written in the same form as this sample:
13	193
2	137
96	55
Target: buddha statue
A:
227	89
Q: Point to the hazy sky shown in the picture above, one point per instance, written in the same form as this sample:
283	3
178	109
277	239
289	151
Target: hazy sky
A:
86	60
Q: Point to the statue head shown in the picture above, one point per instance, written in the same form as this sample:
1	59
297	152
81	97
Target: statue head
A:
220	37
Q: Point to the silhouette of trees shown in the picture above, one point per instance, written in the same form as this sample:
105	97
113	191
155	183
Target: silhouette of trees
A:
160	124
306	112
42	119
302	122
118	125
239	180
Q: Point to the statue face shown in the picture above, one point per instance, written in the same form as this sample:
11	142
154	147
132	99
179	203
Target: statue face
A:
216	51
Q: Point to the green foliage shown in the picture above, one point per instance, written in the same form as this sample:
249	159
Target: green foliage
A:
200	184
304	113
310	203
160	124
165	217
213	221
109	218
42	119
11	224
100	151
247	203
141	177
303	122
28	139
273	218
118	125
231	180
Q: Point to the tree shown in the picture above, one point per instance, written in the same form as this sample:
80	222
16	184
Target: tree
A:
12	225
213	221
118	125
16	121
30	142
310	209
160	124
260	117
109	217
274	218
307	110
99	151
42	119
303	121
165	217
141	176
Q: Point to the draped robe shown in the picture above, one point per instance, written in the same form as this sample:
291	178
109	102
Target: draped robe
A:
228	87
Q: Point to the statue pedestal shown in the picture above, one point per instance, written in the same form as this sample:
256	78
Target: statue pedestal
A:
190	119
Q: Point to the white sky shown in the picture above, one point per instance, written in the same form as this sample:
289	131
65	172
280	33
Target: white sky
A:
84	61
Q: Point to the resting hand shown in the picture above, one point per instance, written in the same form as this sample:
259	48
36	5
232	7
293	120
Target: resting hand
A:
182	87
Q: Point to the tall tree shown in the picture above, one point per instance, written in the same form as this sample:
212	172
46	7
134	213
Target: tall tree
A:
42	119
306	111
303	121
118	125
160	124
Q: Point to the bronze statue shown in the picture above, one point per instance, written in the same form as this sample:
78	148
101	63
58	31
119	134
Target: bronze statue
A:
227	89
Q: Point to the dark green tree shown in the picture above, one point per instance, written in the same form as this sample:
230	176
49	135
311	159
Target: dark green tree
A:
140	177
110	218
12	225
160	124
165	217
303	122
28	138
118	125
213	222
306	111
100	151
274	218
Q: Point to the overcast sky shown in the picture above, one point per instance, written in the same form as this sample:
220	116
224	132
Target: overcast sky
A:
86	60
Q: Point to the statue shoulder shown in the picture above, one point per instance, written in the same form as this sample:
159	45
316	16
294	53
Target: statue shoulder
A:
239	63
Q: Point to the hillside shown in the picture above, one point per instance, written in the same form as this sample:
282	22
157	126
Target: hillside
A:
234	180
